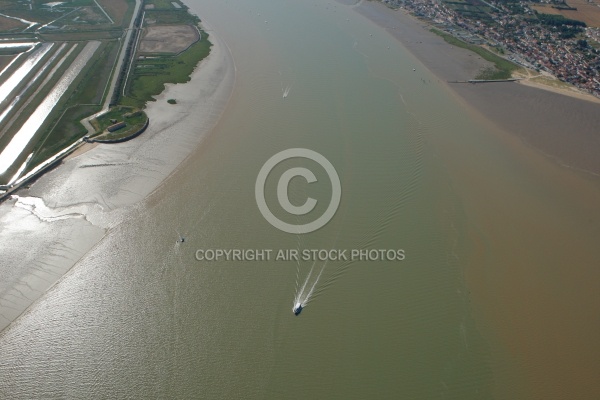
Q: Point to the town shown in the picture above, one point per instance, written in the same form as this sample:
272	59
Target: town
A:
523	33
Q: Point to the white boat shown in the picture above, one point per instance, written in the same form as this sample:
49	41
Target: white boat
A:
297	309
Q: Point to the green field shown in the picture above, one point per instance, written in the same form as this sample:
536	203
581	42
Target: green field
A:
165	4
472	9
134	119
171	16
149	76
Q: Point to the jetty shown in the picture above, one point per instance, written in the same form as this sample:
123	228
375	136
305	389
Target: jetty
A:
487	80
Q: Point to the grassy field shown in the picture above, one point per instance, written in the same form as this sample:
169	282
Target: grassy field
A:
134	119
119	10
4	61
470	8
503	68
12	51
9	24
91	87
171	17
149	76
79	36
586	12
164	4
21	9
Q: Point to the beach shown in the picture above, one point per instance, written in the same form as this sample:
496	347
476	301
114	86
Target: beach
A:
68	210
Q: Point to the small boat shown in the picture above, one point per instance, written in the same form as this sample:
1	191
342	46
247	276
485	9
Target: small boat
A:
297	309
181	238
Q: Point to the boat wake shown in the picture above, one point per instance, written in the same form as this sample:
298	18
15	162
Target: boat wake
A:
286	91
305	292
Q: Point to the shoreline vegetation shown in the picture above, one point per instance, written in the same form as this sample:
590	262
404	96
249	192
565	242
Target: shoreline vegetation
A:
120	122
503	69
175	46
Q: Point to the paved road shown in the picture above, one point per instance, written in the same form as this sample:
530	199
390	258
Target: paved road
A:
111	90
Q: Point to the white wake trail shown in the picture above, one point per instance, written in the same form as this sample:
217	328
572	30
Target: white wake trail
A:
299	295
286	91
307	299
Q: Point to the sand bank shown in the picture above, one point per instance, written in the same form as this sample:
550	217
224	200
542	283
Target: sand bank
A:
66	212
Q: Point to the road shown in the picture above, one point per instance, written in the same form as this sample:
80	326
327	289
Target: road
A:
111	90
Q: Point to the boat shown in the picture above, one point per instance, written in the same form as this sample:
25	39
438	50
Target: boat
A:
297	309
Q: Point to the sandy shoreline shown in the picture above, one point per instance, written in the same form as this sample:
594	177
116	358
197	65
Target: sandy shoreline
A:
553	85
560	126
564	92
69	210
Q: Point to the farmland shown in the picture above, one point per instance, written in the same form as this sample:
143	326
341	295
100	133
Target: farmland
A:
586	11
104	67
